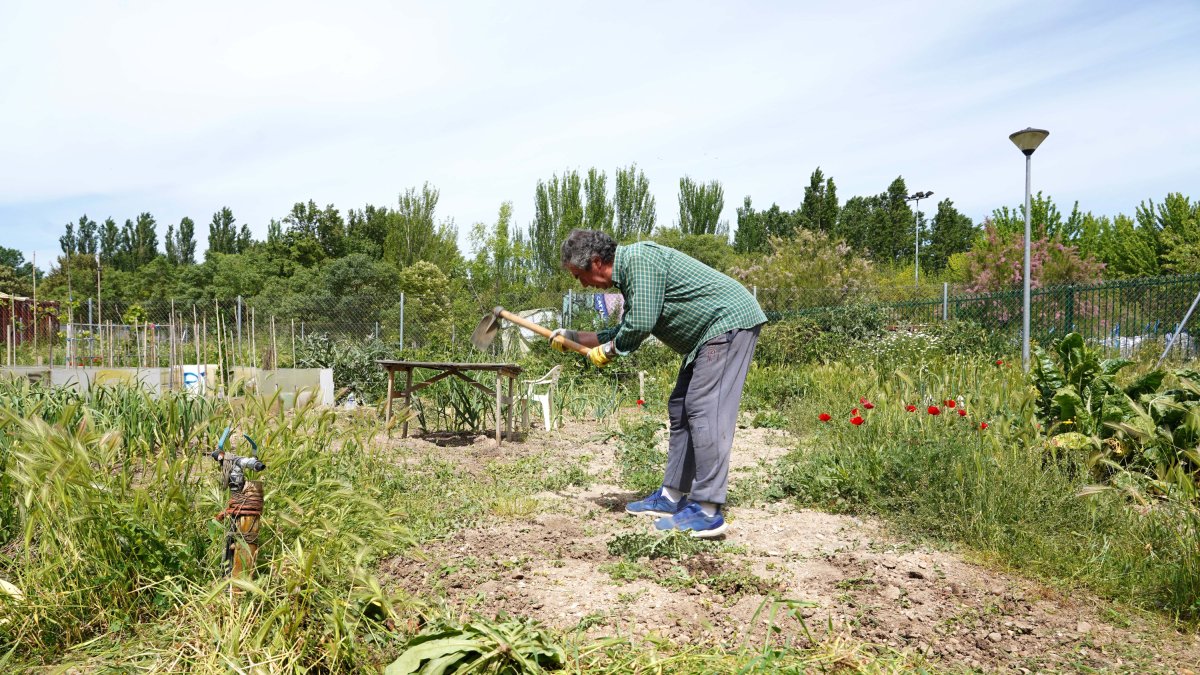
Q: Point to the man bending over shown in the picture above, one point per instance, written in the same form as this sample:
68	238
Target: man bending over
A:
709	318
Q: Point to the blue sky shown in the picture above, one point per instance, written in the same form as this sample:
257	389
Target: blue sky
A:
114	108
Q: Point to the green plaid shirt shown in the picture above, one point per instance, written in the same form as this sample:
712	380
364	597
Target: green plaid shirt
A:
677	299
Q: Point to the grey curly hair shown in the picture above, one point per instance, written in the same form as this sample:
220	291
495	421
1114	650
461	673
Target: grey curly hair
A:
581	246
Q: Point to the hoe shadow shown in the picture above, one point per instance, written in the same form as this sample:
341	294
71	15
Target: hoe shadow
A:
614	502
460	439
450	439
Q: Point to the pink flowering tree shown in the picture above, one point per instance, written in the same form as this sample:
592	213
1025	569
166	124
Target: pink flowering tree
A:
997	262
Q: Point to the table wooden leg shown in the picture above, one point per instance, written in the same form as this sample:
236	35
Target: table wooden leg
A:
407	400
387	414
508	417
499	394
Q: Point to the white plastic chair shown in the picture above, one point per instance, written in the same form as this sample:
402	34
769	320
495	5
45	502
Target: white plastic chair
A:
544	397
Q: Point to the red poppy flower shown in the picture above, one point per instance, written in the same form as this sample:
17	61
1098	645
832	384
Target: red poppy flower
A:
999	362
933	410
910	408
962	412
868	405
983	425
862	399
854	411
856	420
949	403
641	402
824	417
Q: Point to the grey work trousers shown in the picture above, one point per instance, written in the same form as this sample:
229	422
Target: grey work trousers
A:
703	409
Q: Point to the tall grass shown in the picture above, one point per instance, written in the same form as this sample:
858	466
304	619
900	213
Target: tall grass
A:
109	505
1001	490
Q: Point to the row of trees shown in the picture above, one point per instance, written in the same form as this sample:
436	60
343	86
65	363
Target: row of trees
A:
324	252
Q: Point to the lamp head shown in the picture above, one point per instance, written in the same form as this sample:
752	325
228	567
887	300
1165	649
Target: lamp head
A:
1028	139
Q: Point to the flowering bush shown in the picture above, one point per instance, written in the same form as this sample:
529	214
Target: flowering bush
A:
997	263
808	260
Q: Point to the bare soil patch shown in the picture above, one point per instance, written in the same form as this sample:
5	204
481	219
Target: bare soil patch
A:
844	575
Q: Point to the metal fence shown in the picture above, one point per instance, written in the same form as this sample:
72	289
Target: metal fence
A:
274	332
1128	315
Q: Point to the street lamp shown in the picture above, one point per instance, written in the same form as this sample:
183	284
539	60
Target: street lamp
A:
1027	140
917	197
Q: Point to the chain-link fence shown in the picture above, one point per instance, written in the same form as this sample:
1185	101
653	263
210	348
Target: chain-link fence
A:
295	330
255	332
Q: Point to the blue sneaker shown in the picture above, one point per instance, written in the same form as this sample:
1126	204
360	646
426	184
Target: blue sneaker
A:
655	505
691	519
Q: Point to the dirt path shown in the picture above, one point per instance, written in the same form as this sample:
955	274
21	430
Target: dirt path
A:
846	576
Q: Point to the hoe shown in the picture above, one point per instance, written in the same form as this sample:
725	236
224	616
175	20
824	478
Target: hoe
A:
489	325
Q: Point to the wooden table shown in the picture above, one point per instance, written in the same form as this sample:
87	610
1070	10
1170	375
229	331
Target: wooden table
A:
460	370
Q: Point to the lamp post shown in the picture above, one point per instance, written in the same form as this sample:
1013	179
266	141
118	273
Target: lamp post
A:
917	197
1027	140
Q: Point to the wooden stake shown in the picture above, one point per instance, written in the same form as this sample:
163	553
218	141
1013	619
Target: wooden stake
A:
274	349
196	344
33	319
220	363
293	343
171	350
253	343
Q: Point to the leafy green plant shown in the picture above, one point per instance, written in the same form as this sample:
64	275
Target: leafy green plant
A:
353	362
1160	442
1077	388
673	545
503	647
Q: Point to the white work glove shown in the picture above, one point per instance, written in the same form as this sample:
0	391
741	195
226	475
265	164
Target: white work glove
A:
557	344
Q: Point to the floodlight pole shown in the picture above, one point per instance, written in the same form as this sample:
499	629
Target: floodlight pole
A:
917	197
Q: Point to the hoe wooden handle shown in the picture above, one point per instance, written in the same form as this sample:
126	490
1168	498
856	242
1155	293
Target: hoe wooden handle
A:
540	330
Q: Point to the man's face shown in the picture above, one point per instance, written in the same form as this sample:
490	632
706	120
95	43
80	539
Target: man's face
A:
596	276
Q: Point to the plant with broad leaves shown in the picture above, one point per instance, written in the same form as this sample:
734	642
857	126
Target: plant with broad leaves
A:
1077	388
513	646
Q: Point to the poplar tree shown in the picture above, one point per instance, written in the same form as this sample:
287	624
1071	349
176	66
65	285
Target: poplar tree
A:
633	204
819	211
222	232
598	210
558	209
700	206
